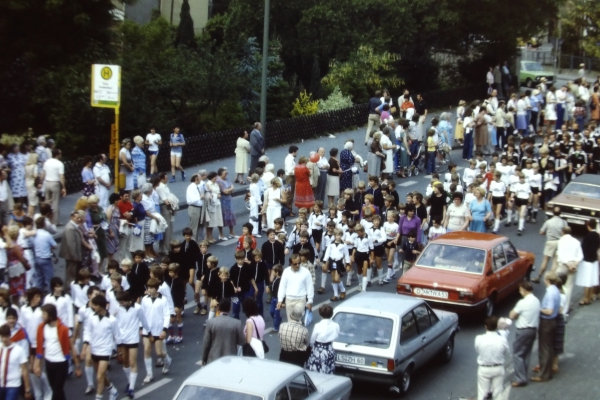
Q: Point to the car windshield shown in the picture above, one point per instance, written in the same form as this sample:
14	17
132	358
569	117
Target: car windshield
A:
193	392
583	190
364	330
533	66
453	258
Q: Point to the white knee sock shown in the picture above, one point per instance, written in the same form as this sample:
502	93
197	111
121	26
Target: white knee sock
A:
335	289
46	388
396	263
132	379
203	301
349	278
164	346
127	372
89	375
341	287
148	365
380	274
323	279
496	224
390	271
364	283
211	315
78	345
508	216
521	224
369	274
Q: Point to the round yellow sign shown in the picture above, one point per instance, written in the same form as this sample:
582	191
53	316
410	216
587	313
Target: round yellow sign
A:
106	73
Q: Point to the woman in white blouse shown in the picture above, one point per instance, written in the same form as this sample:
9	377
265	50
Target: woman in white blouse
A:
550	111
272	202
322	357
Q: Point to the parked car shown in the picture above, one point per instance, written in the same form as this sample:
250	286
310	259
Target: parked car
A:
384	338
245	378
579	201
467	271
532	72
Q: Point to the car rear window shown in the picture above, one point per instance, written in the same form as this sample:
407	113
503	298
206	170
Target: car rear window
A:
193	392
583	190
453	258
364	330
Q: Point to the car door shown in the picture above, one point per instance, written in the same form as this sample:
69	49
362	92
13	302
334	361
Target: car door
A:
301	387
410	341
427	334
512	263
501	276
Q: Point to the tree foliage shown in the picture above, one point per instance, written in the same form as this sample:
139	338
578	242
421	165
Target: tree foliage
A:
580	27
335	101
304	105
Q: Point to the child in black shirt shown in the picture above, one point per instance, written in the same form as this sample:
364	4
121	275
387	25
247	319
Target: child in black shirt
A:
178	294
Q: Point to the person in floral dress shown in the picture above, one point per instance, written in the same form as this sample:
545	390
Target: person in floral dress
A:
322	357
16	162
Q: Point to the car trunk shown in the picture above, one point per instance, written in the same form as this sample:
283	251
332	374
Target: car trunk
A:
438	284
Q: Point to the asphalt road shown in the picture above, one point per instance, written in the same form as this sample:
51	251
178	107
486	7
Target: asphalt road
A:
455	380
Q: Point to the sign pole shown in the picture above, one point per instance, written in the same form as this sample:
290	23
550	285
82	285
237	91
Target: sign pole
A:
116	151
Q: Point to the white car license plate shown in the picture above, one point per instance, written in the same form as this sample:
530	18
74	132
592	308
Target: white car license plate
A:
431	293
575	221
351	359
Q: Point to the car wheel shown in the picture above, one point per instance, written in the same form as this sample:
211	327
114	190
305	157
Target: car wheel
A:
404	382
489	306
529	83
447	351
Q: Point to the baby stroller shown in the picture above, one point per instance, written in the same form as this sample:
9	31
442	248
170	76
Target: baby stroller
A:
415	160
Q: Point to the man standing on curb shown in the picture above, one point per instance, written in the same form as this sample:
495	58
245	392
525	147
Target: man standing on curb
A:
374	113
491	352
53	176
568	257
194	197
527	314
257	144
552	228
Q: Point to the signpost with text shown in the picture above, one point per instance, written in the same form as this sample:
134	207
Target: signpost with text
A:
106	93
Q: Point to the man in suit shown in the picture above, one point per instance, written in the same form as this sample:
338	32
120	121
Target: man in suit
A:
70	248
257	144
223	334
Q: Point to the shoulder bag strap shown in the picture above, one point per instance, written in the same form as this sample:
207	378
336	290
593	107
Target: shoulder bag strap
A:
256	329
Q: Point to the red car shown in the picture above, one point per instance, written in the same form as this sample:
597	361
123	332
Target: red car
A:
467	271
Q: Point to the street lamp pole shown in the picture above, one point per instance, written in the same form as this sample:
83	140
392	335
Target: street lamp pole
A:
265	66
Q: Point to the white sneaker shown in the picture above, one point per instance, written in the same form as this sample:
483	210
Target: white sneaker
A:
148	379
166	367
90	390
113	396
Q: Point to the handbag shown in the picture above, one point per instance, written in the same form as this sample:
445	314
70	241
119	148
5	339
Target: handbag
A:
248	350
124	228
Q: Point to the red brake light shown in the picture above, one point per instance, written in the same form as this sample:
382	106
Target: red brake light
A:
390	365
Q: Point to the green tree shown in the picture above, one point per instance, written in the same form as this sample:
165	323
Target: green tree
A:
580	27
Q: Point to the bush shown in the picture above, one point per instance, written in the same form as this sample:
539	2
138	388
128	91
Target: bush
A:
335	101
305	105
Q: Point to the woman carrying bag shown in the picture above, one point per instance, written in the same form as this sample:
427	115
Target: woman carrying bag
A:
254	330
322	356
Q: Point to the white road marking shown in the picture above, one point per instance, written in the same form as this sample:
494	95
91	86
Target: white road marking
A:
227	242
151	388
407	183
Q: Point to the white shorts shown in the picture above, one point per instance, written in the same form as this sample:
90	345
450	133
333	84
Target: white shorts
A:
176	154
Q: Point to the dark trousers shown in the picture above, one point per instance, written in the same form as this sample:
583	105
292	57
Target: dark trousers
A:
534	120
10	393
501	137
546	346
468	146
253	163
522	347
57	376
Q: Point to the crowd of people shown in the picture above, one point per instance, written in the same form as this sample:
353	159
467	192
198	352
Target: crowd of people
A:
126	269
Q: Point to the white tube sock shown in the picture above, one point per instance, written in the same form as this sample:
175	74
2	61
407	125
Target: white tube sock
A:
508	216
127	372
341	287
148	365
365	280
521	224
323	279
164	346
335	289
89	375
349	278
211	315
132	379
369	274
496	225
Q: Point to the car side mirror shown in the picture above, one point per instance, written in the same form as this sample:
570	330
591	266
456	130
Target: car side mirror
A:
489	272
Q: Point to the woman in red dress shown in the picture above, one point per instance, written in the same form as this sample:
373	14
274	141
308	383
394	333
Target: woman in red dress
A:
304	193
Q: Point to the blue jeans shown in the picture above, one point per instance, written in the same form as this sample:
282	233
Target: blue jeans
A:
275	314
44	271
431	162
259	296
468	146
9	393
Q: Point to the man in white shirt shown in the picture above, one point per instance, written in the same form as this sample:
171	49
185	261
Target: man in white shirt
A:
527	314
552	228
3	198
290	178
194	196
53	176
568	257
491	352
296	287
167	212
153	141
13	367
102	175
